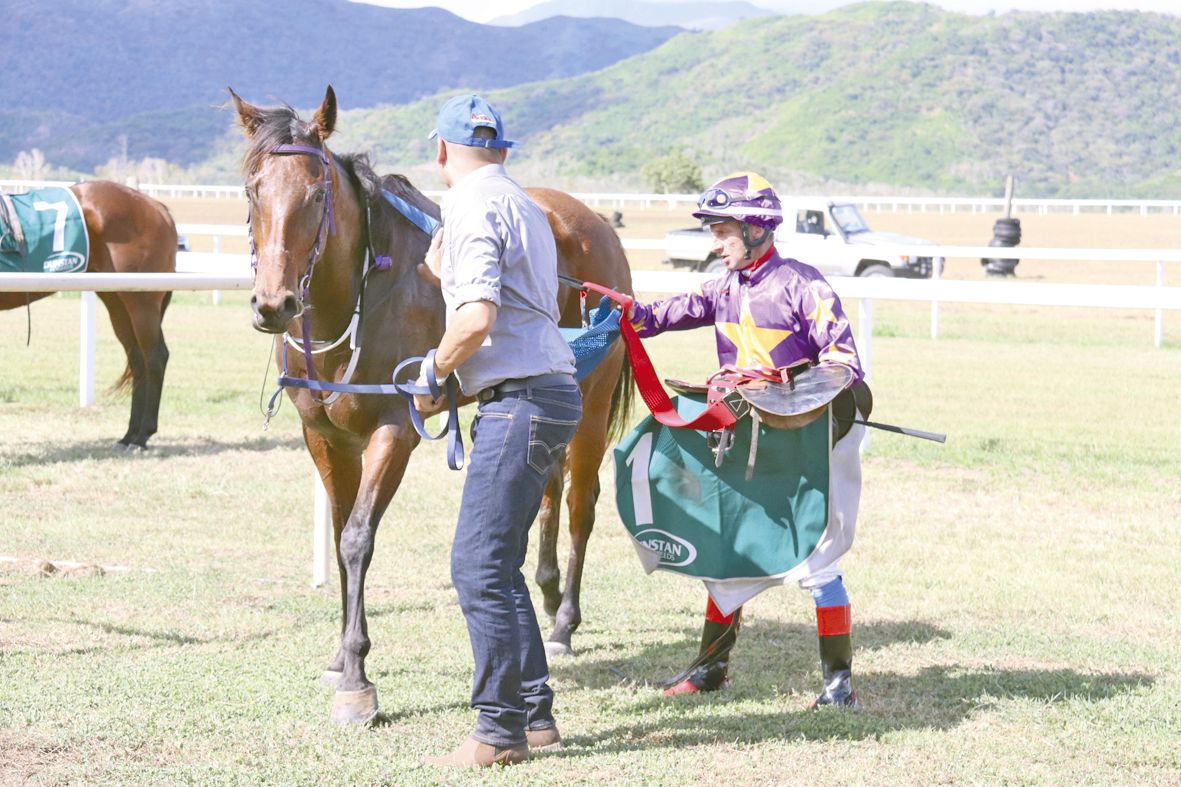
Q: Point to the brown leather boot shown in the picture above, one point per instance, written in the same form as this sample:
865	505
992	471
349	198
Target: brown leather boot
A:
476	754
545	739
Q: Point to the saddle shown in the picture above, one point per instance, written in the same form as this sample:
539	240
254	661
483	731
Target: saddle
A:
764	386
12	237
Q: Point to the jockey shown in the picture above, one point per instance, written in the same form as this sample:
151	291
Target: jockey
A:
769	312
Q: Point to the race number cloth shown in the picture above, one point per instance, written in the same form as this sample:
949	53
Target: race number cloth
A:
43	231
793	519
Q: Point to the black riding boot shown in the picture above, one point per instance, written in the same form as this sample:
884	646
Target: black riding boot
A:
711	670
836	660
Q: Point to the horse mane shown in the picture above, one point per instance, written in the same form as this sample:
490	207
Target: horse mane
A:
360	171
276	126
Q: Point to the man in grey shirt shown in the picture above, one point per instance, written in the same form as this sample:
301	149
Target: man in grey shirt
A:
497	263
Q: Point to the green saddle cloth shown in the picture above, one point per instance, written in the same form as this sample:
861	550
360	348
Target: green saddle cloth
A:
42	231
688	516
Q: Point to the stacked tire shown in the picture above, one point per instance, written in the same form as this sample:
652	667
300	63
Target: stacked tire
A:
1005	233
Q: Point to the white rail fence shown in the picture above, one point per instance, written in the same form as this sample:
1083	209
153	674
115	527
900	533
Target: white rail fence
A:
233	274
946	292
875	203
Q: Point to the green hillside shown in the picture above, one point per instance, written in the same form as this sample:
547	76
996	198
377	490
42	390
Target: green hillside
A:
898	95
88	80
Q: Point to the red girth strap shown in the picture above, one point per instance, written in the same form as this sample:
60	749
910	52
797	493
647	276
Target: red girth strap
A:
716	414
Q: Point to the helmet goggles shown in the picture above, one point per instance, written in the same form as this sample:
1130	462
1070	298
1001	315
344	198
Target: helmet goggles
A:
744	197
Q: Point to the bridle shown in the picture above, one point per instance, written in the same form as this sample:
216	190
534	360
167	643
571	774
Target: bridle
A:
448	387
327	226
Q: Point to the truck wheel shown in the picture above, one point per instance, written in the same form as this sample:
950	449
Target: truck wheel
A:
714	265
878	270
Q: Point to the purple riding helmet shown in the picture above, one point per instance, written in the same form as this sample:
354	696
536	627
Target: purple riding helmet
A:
745	197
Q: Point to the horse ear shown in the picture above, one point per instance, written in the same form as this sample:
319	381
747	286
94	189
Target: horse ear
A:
325	118
249	116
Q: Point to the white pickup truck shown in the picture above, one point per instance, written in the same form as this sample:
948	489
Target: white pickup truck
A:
830	236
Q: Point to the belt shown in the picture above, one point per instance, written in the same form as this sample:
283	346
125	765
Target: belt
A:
525	383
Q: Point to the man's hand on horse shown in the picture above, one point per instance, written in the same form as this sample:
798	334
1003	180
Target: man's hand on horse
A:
431	268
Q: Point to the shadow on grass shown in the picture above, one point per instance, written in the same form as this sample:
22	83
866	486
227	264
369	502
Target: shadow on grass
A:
75	451
155	638
778	664
765	647
385	718
939	698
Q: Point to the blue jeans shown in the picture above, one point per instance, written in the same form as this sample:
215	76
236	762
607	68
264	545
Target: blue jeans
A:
516	439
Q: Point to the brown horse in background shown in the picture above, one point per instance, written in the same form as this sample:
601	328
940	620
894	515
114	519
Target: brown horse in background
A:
129	233
361	444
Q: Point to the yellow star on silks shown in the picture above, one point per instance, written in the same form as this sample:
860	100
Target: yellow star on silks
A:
823	312
837	354
754	343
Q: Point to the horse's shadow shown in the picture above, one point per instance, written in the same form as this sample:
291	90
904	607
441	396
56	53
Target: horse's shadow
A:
76	451
778	664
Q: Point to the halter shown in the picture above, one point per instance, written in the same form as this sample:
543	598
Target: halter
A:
327	226
449	388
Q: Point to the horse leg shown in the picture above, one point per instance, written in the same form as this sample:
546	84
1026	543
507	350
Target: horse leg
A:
136	364
146	311
585	454
384	464
549	576
340	471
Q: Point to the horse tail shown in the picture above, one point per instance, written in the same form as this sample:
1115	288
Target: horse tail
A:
621	404
124	381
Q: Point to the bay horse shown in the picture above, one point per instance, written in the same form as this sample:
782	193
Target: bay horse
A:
129	233
311	209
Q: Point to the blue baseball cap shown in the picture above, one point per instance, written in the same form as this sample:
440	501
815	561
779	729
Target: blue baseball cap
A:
461	116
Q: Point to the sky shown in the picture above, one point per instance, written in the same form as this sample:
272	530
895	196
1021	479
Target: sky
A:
486	10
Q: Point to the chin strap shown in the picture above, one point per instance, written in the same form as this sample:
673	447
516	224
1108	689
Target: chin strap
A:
751	245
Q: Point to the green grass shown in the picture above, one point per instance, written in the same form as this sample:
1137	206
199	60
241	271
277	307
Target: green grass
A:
1015	591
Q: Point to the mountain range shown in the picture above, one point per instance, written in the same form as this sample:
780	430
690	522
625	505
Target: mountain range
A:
876	97
85	78
881	96
691	14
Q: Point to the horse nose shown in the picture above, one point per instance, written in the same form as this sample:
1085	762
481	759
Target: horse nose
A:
272	311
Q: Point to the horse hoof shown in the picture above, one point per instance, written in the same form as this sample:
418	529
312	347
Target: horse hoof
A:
558	650
330	677
355	707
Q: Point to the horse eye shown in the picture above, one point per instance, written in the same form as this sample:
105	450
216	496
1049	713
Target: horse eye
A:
318	197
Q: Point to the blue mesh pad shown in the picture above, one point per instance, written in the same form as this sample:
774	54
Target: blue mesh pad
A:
590	345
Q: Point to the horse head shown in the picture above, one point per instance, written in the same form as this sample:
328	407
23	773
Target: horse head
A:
290	181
